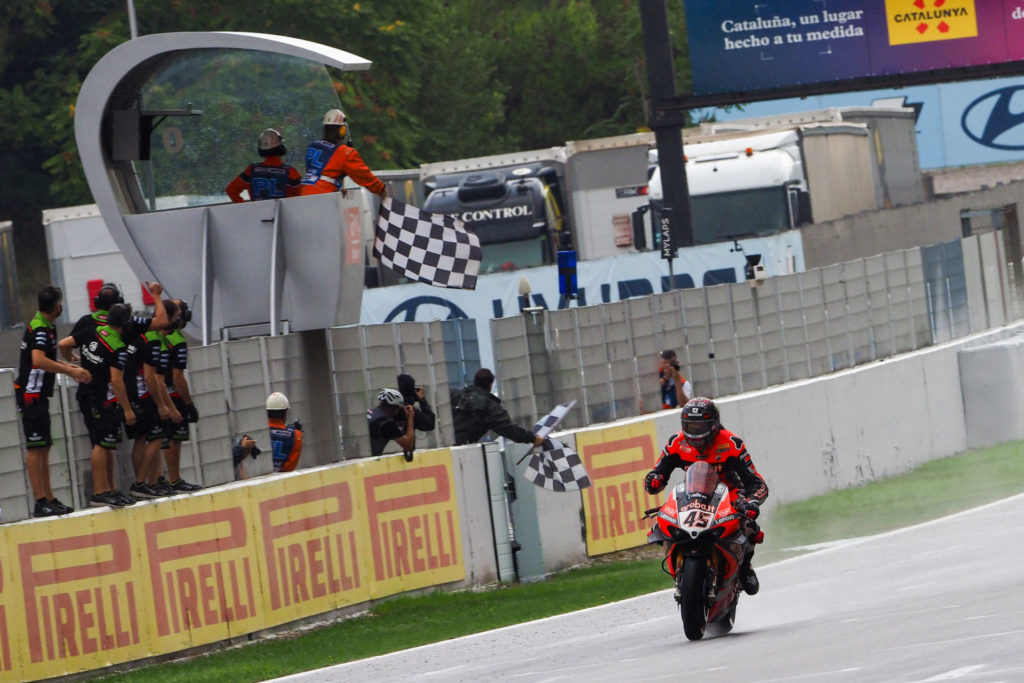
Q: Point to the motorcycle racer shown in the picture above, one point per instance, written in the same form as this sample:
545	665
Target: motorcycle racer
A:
704	438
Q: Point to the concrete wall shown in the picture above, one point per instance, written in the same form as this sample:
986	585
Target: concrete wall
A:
876	232
807	437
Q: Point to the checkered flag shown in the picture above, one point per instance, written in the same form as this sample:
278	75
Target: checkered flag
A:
427	247
557	468
547	423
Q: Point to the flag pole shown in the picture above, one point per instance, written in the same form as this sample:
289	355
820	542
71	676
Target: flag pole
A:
532	449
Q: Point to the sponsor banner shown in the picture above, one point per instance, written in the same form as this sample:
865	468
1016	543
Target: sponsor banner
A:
313	541
412	517
959	124
747	46
599	281
617	458
73	595
103	587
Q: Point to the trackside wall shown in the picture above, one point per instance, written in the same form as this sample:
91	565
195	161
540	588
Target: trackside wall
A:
104	587
806	438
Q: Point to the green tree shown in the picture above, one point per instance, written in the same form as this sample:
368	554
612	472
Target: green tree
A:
450	79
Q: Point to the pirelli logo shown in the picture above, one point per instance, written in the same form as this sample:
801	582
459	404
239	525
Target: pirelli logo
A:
926	21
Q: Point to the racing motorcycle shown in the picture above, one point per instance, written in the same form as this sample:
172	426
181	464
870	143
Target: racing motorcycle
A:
706	536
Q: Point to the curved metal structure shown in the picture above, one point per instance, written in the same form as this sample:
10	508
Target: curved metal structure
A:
256	267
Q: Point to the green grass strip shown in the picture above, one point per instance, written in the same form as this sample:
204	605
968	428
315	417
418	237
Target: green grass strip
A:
934	489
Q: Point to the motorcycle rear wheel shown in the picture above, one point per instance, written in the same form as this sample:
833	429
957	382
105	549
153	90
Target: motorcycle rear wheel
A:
694	606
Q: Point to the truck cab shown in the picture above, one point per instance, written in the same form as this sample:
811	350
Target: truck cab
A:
745	186
516	213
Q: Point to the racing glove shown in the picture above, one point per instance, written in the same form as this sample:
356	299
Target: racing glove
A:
749	508
190	413
654	482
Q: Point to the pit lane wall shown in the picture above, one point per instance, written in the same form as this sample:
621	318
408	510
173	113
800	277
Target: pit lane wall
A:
103	587
806	438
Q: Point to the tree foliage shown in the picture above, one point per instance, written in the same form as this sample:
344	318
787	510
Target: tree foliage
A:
451	78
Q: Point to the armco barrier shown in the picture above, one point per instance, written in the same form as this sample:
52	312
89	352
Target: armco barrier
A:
101	587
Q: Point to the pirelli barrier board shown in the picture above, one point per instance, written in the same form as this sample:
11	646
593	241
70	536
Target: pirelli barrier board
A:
617	458
104	587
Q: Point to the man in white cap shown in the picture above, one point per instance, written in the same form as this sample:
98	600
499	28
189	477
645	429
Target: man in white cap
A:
331	158
285	439
270	178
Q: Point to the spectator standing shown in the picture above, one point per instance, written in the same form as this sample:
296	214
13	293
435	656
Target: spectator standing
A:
331	158
392	420
673	384
475	411
104	354
285	439
33	387
267	179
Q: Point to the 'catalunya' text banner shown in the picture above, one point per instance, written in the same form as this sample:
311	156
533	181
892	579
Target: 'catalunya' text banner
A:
750	45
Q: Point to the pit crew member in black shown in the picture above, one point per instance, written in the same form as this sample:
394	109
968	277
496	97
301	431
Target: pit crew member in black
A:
104	354
154	411
704	438
181	396
33	388
107	296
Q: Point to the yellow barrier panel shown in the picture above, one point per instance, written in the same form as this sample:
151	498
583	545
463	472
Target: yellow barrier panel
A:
103	587
617	458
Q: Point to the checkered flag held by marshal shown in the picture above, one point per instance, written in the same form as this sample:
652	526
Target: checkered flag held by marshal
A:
551	420
557	468
426	247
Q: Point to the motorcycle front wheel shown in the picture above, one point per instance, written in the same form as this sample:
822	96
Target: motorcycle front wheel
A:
694	605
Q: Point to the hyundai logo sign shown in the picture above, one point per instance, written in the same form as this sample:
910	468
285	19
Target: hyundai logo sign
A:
996	119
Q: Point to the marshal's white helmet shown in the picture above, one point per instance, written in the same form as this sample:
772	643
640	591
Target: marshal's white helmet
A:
391	397
335	117
277	401
270	139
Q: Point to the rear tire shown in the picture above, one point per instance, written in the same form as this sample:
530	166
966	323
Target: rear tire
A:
694	607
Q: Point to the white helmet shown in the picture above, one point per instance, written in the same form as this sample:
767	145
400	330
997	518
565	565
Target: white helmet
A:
270	139
391	397
277	401
335	117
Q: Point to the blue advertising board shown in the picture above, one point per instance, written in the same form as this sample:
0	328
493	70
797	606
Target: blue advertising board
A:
764	45
960	124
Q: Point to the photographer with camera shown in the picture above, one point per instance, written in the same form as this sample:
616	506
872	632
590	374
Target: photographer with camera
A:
675	389
243	447
423	417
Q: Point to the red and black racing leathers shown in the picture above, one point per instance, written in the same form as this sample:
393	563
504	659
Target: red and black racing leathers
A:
726	453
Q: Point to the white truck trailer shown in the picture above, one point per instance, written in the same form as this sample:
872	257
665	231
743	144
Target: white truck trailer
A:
758	177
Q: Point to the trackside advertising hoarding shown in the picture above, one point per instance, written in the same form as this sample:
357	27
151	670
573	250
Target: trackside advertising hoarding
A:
102	587
785	45
617	458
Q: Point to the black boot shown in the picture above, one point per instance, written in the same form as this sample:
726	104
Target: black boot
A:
748	579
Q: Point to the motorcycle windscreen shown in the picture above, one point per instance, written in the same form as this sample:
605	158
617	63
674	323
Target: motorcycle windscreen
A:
701	481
